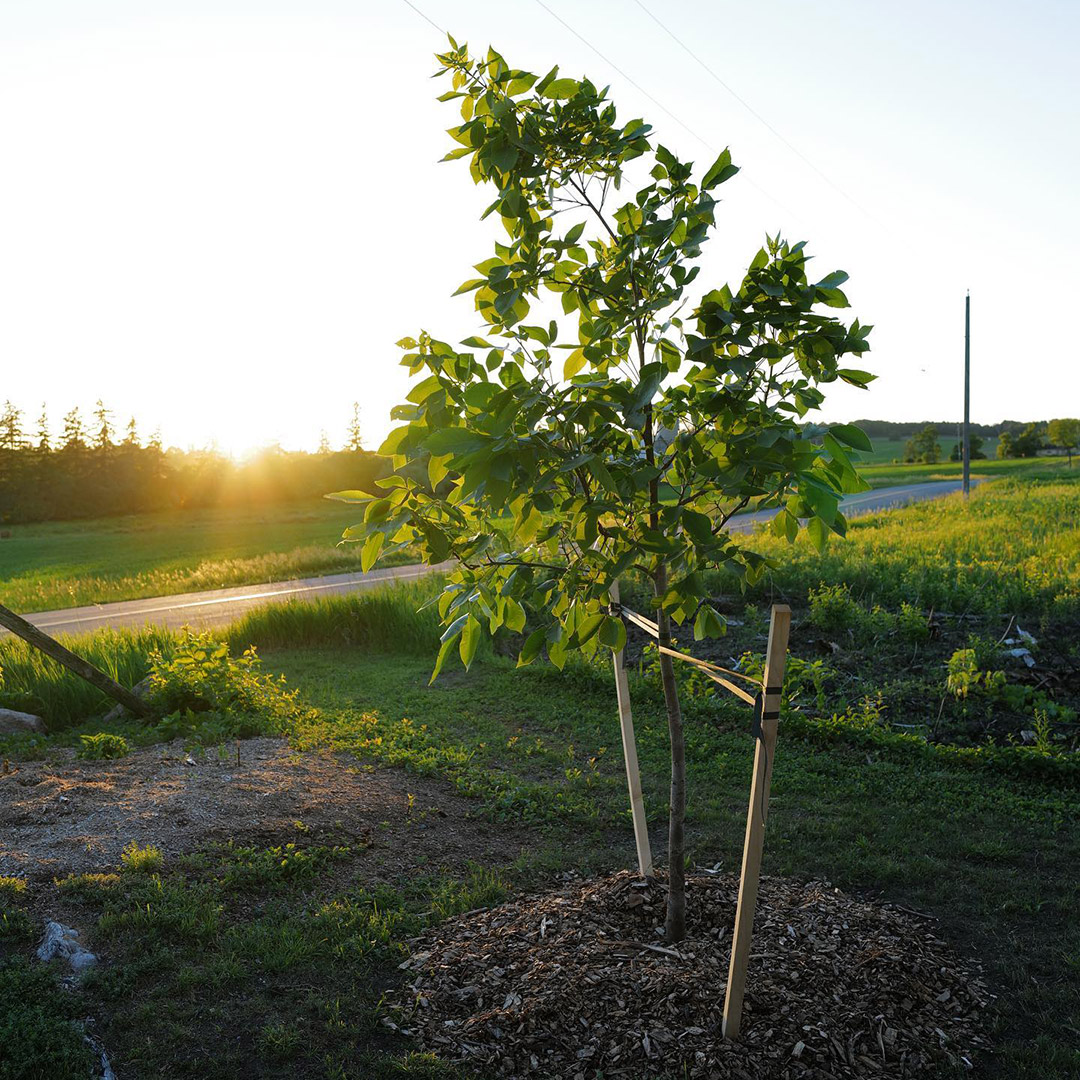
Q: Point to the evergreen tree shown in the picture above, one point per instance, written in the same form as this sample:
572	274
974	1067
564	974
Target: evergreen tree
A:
354	442
324	443
44	443
131	438
104	435
11	432
74	435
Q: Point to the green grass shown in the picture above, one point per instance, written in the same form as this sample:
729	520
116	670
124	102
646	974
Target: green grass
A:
1013	548
249	961
275	944
889	474
68	564
992	857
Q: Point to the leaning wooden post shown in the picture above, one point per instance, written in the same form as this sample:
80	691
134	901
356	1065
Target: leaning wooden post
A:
757	812
629	745
85	670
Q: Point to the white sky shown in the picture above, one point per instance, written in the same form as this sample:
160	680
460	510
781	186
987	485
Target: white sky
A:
221	216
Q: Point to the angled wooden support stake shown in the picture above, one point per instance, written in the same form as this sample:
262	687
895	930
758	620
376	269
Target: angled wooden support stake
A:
757	812
629	745
85	670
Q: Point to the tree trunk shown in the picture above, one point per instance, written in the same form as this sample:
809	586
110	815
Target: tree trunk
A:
675	923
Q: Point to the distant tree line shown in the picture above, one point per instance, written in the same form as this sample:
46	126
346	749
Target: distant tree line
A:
93	469
1014	441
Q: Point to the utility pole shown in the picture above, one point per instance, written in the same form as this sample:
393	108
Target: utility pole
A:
966	448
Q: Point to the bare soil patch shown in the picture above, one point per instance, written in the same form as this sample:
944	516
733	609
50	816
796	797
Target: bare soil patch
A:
67	815
577	984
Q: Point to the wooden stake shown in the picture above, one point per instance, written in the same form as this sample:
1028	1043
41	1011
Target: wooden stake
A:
85	670
629	745
757	812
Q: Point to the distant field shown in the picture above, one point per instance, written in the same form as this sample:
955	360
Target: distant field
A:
887	451
45	567
67	564
888	475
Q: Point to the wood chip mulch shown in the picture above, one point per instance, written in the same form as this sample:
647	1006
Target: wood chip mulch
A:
578	984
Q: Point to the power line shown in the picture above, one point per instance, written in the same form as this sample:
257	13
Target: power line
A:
424	17
754	113
633	82
611	63
663	108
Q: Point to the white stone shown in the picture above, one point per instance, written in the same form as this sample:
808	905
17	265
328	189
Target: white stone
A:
63	942
14	723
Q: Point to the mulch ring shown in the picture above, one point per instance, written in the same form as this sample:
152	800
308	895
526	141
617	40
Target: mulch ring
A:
578	983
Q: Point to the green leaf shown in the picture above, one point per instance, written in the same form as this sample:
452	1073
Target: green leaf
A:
720	170
699	526
561	89
531	649
515	615
587	627
707	623
444	652
452	441
855	377
574	363
547	80
852	436
818	532
369	554
470	639
613	633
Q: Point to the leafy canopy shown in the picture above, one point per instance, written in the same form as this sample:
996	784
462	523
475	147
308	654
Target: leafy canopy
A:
552	455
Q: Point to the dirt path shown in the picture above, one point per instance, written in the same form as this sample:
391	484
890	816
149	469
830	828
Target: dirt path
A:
69	816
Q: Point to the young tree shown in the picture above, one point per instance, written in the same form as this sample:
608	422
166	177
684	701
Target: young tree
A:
324	443
549	463
1066	434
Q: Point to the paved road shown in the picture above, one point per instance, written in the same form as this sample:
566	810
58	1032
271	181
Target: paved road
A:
215	607
868	501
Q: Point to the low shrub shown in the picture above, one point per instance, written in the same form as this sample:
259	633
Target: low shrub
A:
147	860
208	695
102	745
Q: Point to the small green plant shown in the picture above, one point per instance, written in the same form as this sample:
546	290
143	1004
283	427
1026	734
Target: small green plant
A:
967	675
834	610
801	678
912	624
11	887
209	695
1044	732
147	860
102	745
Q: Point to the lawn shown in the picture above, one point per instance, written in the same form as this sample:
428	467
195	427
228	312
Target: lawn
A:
281	945
903	773
53	565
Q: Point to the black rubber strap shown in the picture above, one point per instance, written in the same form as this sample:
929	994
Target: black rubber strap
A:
773	689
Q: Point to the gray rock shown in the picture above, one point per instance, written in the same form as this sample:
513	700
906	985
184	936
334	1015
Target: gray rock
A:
62	942
118	712
15	723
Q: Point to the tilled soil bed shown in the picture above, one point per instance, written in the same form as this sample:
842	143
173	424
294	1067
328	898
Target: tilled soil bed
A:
577	983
